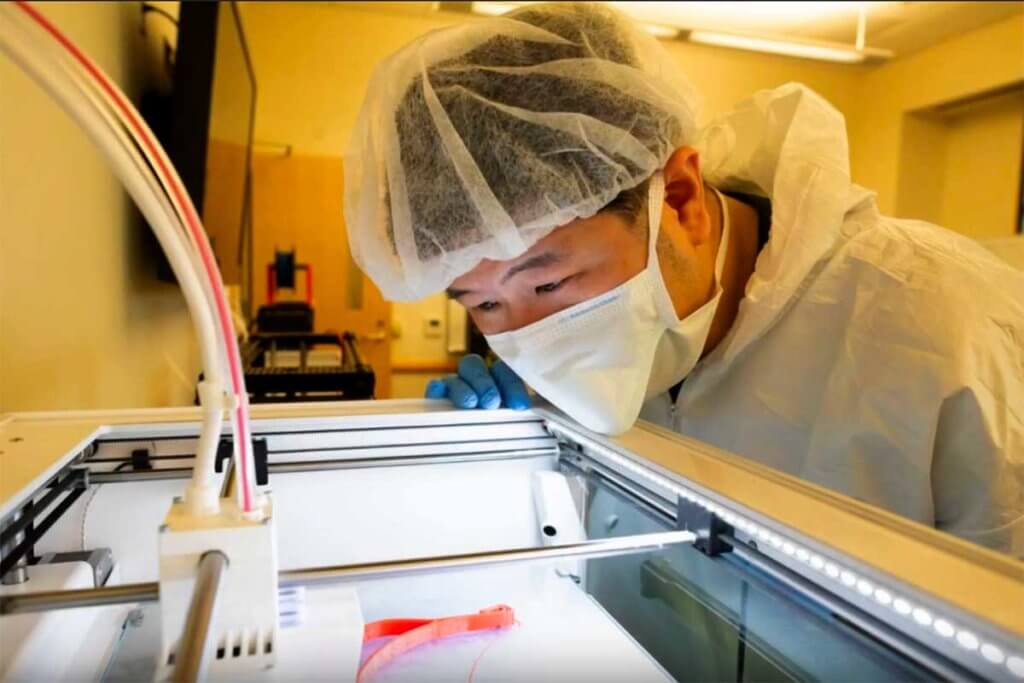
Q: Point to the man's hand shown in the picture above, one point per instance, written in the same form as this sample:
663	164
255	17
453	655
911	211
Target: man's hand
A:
477	386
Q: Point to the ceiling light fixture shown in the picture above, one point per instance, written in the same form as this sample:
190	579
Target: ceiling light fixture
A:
494	9
806	49
661	31
830	52
753	16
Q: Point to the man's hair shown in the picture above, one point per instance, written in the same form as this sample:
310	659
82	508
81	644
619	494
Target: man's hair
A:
515	155
630	204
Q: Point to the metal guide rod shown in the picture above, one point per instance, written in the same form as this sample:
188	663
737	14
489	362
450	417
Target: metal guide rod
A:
41	601
196	647
149	592
379	570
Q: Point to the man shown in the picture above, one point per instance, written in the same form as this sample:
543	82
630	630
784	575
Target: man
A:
544	167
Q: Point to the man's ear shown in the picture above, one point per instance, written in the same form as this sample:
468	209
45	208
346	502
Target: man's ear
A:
684	194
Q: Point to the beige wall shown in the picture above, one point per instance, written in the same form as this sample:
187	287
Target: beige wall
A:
83	323
725	77
1010	249
313	61
985	60
984	147
229	118
412	384
412	344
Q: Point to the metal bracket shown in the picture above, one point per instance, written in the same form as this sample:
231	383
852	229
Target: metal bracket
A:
101	560
708	526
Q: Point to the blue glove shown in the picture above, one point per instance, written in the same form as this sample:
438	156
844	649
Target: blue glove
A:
477	386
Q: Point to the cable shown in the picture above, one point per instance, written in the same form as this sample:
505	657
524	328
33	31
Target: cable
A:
90	120
203	487
183	206
142	167
153	206
202	481
203	492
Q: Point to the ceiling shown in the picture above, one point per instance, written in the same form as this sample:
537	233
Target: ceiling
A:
902	27
906	27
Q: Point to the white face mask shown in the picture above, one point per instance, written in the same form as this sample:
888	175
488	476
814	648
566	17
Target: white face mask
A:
601	359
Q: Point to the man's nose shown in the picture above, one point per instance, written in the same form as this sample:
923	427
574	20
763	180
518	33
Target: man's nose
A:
520	315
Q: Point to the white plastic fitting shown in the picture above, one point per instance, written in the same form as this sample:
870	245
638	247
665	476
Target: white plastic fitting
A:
202	495
246	626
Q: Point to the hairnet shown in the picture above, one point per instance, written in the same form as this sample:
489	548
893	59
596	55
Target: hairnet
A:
477	140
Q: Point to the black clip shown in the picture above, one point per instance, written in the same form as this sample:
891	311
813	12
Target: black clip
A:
708	526
141	460
223	453
259	457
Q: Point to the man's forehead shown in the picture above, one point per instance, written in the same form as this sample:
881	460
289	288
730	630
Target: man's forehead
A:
562	244
546	251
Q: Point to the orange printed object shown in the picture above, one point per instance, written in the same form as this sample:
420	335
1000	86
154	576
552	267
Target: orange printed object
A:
411	633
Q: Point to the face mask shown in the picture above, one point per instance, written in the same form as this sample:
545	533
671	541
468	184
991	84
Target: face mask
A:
599	360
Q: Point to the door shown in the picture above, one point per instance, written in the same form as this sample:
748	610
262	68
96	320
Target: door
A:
297	204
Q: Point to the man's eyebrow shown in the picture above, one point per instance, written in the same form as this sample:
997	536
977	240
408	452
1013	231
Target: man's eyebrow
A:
455	293
543	260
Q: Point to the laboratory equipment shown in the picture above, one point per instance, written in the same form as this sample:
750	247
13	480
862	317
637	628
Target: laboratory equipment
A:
646	556
286	360
306	366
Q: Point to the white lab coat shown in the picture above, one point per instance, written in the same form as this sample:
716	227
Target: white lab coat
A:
882	358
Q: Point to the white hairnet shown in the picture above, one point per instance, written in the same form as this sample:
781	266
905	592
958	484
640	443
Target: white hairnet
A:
477	140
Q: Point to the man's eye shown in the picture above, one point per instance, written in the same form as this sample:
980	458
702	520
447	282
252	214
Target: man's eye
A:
549	287
486	306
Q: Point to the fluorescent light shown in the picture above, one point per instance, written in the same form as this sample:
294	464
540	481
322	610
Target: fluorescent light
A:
831	53
686	14
494	9
660	31
761	14
663	26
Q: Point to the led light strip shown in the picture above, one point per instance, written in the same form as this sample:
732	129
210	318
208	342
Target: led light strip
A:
838	574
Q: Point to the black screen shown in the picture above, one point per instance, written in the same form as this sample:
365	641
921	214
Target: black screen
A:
206	126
